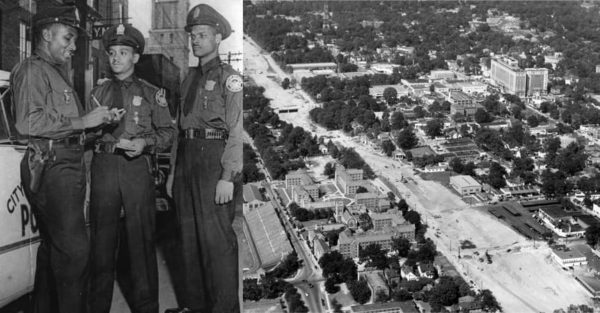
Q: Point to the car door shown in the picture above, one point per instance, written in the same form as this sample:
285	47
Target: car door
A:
19	238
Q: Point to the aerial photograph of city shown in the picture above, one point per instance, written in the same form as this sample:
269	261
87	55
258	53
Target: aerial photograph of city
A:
421	156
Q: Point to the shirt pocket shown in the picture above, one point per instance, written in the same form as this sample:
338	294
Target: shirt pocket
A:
63	99
215	106
142	116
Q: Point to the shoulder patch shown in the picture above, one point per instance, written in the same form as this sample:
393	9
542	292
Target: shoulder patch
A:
234	83
160	98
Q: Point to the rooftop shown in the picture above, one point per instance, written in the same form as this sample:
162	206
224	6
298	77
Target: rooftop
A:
252	192
463	181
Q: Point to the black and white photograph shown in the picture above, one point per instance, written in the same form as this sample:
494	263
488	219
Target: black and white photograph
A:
121	146
421	156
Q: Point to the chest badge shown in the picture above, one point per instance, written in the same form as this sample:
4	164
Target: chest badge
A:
210	85
137	101
234	83
67	94
160	98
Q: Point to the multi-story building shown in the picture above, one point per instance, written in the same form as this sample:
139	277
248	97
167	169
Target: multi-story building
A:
386	220
505	73
167	35
371	201
300	196
302	180
528	82
350	244
349	180
461	103
537	81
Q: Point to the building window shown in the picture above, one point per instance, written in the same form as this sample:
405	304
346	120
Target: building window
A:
24	41
171	38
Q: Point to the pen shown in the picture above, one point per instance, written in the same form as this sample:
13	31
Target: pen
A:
96	101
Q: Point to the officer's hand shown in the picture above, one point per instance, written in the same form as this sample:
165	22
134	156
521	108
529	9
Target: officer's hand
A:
136	147
224	192
117	114
169	185
98	116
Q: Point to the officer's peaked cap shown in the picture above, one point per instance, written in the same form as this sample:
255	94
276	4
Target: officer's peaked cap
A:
125	35
203	14
63	14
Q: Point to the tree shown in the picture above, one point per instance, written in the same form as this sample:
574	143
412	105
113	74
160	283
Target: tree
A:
427	251
445	293
592	235
390	95
329	170
337	307
398	121
330	286
413	217
361	189
533	121
489	302
360	291
388	147
251	290
496	176
401	294
285	83
482	116
407	139
419	111
335	265
401	245
375	255
434	128
456	165
364	221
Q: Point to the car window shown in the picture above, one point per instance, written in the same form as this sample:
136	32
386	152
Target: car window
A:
4	113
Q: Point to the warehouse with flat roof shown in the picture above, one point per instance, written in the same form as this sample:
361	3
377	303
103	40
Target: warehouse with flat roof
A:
465	184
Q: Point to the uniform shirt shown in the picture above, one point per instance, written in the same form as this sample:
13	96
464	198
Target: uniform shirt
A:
147	113
219	106
45	103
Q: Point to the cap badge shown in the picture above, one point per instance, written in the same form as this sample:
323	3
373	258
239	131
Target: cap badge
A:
77	15
137	101
120	30
196	12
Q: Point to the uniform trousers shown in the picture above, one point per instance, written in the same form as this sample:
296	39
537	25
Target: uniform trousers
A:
58	206
123	245
209	251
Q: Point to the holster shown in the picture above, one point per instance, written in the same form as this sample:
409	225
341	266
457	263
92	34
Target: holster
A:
39	152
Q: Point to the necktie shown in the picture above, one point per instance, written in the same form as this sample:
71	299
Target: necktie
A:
190	98
117	102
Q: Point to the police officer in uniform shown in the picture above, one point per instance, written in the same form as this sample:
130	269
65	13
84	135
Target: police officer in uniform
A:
52	171
121	177
208	164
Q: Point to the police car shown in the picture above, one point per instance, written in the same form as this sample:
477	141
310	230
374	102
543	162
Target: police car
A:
20	239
